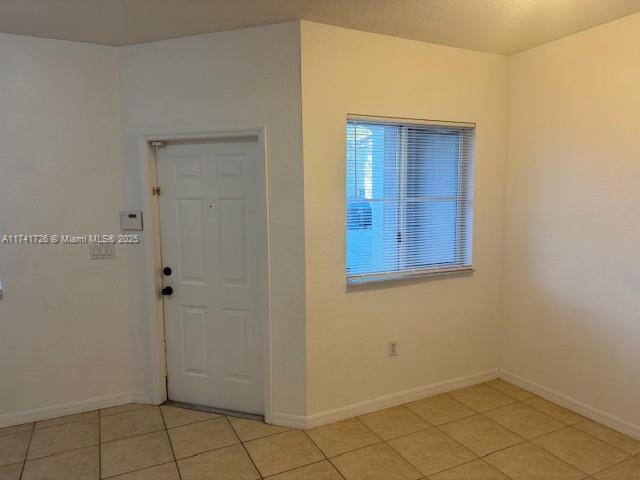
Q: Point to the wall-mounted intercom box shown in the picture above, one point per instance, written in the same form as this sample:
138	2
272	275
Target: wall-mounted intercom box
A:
131	221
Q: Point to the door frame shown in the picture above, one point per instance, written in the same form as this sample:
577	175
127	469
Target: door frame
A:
153	260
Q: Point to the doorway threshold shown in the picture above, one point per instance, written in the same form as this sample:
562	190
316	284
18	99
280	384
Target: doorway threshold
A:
219	411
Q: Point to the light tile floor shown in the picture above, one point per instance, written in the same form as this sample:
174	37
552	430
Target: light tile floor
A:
492	431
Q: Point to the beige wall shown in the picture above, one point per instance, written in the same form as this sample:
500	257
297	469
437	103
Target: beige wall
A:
446	328
65	338
228	81
569	319
572	263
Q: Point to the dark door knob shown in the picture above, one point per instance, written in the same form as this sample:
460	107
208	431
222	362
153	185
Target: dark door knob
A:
166	271
167	290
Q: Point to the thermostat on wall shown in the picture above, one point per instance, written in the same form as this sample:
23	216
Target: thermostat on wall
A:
131	220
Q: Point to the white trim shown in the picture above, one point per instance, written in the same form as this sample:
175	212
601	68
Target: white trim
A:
288	420
404	121
142	397
151	212
53	411
386	401
268	354
153	263
566	401
364	278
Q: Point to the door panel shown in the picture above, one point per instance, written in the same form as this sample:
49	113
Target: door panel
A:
213	236
194	334
233	219
235	326
190	239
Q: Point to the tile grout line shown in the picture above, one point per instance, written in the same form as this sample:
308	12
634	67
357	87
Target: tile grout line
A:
325	458
55	454
235	432
190	456
561	460
215	416
524	440
26	453
610	466
268	434
115	477
132	436
606	443
533	395
482	413
139	407
415	466
488	384
16	433
166	431
323	454
296	468
466	463
631	455
330	459
547	451
476	412
566	425
436	427
382	441
219	417
244	447
386	441
482	457
243	442
523	401
78	420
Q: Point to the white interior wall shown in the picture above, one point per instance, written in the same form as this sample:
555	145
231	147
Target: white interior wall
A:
446	327
569	302
65	340
228	81
572	270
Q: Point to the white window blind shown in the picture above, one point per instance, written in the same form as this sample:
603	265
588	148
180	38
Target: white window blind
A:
409	208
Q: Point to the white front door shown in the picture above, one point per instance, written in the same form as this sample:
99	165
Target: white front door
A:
214	240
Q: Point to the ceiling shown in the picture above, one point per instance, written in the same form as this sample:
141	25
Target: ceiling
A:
499	26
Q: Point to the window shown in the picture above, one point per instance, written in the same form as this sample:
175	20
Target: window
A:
409	209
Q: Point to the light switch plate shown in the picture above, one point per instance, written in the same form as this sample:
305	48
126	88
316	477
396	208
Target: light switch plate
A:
102	251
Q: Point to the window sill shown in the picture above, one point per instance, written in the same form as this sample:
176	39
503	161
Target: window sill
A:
414	274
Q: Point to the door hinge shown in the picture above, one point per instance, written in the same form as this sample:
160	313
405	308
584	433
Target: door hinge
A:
158	144
155	191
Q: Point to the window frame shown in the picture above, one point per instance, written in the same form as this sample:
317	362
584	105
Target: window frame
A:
464	196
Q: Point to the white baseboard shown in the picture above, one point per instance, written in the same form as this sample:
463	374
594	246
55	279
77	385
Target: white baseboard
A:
289	420
386	401
566	401
45	413
141	397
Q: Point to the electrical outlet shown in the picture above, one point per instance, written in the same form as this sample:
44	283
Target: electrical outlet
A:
393	348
